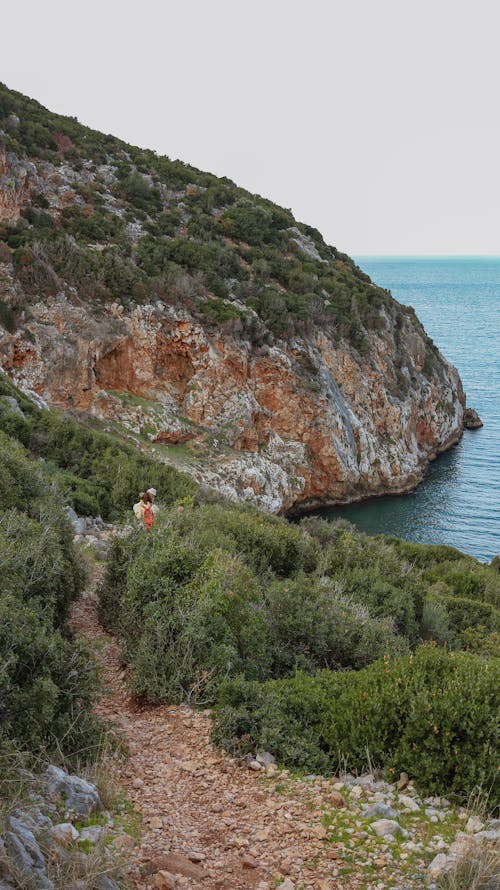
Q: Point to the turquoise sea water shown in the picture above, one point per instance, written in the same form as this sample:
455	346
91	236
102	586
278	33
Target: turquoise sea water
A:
457	299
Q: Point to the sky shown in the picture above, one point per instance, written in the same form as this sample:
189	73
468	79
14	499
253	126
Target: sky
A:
376	121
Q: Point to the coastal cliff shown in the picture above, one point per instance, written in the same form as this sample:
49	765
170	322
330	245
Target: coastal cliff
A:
208	324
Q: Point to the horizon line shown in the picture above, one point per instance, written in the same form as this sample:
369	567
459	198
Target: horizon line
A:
491	256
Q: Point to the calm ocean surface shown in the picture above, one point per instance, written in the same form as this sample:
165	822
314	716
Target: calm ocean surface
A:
457	299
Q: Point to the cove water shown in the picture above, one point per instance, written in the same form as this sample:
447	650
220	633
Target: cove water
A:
458	503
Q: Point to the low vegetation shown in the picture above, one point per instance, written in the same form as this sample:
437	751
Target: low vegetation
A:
310	641
47	679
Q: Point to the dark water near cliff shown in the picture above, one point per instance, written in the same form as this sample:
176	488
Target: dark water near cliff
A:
457	299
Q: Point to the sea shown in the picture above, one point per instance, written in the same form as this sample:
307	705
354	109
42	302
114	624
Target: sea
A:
458	503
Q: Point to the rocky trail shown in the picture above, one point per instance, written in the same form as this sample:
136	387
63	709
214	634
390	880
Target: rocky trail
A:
209	820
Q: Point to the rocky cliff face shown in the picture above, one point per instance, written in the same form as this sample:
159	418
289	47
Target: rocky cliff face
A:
208	323
294	424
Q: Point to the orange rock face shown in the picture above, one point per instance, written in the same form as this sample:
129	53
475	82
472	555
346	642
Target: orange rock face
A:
312	424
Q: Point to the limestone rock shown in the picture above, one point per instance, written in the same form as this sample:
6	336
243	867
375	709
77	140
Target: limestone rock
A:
383	827
79	796
472	421
65	833
299	423
439	866
409	803
25	852
380	809
91	833
474	824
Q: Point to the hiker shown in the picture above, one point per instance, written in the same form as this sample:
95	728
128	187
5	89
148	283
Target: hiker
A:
144	509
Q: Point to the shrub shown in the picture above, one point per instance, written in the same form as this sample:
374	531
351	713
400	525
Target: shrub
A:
465	613
372	573
433	714
198	634
47	684
312	624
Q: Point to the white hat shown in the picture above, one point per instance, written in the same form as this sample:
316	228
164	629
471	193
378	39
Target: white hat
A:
152	491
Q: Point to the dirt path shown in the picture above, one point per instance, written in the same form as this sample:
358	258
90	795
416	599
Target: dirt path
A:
207	818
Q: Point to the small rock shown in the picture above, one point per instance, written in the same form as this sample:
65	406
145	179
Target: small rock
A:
262	835
364	781
79	795
390	827
286	885
265	758
474	824
255	765
379	809
164	881
248	861
439	865
123	841
409	803
472	421
403	781
155	823
137	783
177	864
195	856
337	800
91	833
65	833
189	766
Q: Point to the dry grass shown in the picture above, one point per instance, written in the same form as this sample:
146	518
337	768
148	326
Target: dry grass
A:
478	870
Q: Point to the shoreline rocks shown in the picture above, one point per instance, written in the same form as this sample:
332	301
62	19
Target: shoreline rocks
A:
472	420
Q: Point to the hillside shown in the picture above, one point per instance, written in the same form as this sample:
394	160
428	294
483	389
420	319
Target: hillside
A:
327	649
207	323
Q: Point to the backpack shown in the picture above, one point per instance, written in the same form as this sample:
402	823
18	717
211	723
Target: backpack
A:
149	516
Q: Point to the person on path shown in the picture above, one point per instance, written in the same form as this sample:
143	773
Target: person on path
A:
144	509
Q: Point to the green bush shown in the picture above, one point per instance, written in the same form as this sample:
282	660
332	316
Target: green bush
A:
47	682
465	613
312	624
200	633
371	572
433	714
47	685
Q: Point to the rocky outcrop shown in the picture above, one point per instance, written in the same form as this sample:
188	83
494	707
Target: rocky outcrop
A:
39	849
288	426
472	420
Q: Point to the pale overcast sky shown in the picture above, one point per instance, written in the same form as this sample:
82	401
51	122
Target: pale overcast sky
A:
377	121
